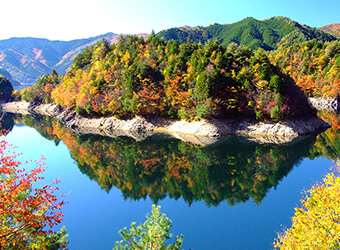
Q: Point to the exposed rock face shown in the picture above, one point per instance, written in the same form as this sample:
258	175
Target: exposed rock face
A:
326	104
6	89
210	128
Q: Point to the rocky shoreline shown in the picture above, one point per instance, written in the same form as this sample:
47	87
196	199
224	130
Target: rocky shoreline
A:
276	132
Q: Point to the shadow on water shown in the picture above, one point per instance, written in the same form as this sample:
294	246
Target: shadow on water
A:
7	121
232	169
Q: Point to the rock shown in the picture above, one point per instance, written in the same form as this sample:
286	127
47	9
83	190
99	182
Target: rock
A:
16	107
180	129
325	103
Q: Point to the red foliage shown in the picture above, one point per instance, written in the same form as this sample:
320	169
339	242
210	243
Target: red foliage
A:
25	211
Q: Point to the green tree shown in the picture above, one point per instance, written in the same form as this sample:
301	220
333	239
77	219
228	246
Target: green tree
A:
152	234
202	87
276	83
275	114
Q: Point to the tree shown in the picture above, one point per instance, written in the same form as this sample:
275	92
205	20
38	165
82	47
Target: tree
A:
317	224
276	83
6	89
152	234
26	213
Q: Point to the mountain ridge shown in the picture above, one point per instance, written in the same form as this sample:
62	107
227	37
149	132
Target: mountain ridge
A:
27	58
333	29
268	34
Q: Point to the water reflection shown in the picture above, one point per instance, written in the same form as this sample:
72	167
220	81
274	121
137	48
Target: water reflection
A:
7	122
232	169
328	143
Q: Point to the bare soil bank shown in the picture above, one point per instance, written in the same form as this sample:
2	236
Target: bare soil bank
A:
272	132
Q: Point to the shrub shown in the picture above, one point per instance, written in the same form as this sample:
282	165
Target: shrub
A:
78	109
275	114
182	114
203	109
259	115
88	108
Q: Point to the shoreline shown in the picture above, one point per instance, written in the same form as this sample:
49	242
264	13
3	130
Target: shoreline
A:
281	131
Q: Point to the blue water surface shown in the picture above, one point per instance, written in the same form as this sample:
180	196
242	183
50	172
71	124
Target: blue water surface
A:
94	216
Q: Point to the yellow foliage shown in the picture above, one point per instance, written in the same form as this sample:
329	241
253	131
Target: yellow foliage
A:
288	69
190	92
94	90
126	57
334	70
233	74
244	70
256	67
233	89
317	224
213	55
262	84
146	53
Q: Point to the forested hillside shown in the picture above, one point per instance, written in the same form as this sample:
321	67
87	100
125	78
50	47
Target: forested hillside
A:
28	59
166	78
333	29
267	34
313	65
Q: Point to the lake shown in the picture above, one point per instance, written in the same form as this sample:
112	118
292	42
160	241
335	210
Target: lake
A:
233	194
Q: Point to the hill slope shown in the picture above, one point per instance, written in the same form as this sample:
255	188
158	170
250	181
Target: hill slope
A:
27	59
8	76
333	29
268	34
187	81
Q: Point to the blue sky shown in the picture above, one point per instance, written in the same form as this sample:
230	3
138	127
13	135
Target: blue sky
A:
74	19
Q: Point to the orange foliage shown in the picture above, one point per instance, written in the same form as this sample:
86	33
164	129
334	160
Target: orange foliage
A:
48	88
313	65
24	211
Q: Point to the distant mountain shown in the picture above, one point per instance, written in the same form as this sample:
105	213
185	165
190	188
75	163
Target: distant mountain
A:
27	59
268	34
8	76
333	29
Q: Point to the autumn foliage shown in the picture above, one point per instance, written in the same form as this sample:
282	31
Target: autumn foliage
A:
41	91
333	29
317	224
27	214
313	65
154	77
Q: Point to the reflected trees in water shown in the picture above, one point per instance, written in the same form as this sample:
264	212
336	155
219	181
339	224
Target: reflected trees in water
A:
233	169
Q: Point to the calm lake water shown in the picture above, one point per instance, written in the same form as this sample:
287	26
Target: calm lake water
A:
233	194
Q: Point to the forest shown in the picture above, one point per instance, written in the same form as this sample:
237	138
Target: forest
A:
262	70
269	34
154	77
313	65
